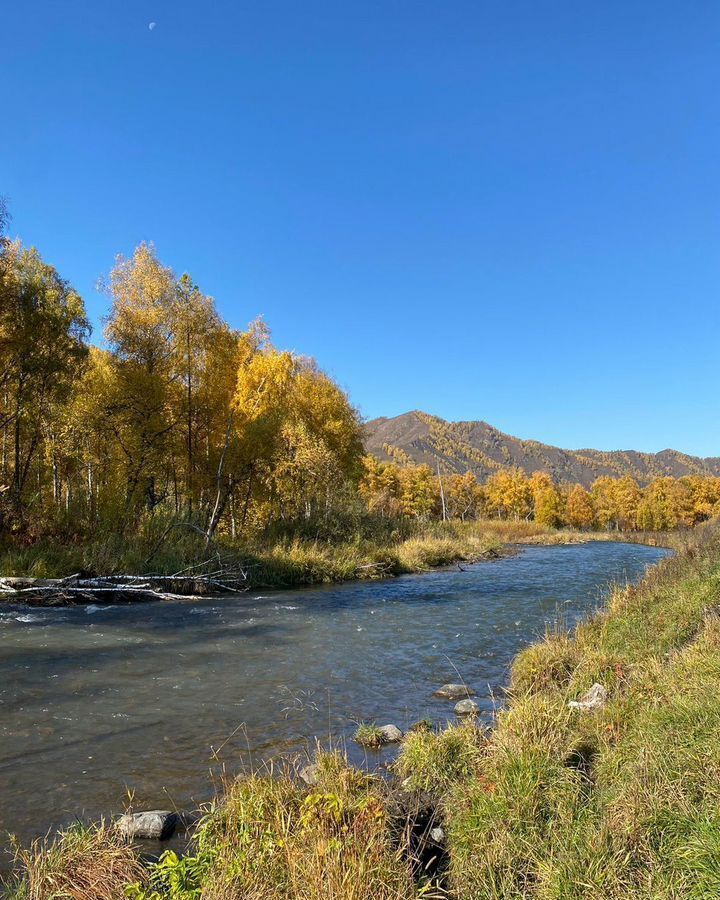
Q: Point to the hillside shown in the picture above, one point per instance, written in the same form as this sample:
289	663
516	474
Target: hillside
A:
476	446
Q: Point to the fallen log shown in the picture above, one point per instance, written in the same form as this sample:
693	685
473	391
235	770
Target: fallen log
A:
77	590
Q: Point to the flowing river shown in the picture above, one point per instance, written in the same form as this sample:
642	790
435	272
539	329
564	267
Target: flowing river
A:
96	702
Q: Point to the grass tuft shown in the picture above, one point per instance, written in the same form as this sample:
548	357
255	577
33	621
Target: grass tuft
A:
81	863
431	761
369	735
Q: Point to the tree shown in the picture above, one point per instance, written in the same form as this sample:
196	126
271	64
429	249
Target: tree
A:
579	510
604	500
379	486
666	504
547	500
196	329
627	496
508	494
43	334
464	497
419	495
144	401
705	494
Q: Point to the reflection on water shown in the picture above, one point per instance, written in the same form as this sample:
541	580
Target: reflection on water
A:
96	701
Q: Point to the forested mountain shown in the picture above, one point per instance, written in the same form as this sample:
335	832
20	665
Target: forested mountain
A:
478	447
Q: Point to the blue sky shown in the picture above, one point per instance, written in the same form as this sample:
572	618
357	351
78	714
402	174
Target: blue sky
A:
498	210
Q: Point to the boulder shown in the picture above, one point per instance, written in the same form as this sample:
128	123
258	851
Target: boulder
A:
593	699
310	774
391	734
466	708
454	691
155	824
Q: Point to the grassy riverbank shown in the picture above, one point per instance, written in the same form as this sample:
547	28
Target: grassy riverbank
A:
410	547
614	803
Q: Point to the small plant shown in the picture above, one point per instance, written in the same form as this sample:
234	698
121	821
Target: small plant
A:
369	735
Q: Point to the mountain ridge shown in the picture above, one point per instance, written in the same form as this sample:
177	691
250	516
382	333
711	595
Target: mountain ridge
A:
477	446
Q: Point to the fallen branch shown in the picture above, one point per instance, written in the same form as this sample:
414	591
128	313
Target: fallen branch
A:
75	589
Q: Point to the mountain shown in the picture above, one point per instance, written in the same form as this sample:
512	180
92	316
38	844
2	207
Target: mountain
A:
461	446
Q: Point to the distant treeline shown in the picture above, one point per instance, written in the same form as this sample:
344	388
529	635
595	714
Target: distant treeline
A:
611	503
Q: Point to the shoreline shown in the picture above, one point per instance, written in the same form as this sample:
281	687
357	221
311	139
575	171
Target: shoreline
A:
303	564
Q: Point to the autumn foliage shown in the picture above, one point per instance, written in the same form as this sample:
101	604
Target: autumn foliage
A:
611	503
181	417
177	413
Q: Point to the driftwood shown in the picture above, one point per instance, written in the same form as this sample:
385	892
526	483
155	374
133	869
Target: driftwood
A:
79	589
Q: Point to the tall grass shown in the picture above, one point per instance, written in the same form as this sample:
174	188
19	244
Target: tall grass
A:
82	863
269	838
279	563
621	802
374	549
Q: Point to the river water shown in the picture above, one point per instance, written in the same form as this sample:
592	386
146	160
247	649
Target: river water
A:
96	702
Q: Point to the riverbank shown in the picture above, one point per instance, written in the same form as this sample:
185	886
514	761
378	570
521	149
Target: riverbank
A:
615	801
294	563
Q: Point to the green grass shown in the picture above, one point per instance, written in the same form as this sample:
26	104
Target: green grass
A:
369	735
431	761
269	838
621	802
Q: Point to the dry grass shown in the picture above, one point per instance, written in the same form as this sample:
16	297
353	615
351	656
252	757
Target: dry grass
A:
411	547
79	864
269	838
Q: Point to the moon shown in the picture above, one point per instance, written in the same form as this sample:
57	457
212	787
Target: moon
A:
152	25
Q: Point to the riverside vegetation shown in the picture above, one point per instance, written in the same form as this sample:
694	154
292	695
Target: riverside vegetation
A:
183	440
610	803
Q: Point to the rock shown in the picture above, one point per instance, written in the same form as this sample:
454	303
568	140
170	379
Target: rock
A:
437	835
391	734
593	699
424	725
466	708
156	824
310	774
454	691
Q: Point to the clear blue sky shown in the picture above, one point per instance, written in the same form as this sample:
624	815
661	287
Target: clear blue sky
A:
483	209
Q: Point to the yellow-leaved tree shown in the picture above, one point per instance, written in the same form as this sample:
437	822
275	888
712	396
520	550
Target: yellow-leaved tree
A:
547	500
579	509
43	350
508	494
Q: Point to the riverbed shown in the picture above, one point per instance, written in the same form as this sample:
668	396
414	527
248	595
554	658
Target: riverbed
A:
98	703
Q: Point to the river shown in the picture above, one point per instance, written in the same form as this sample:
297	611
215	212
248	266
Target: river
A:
96	702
